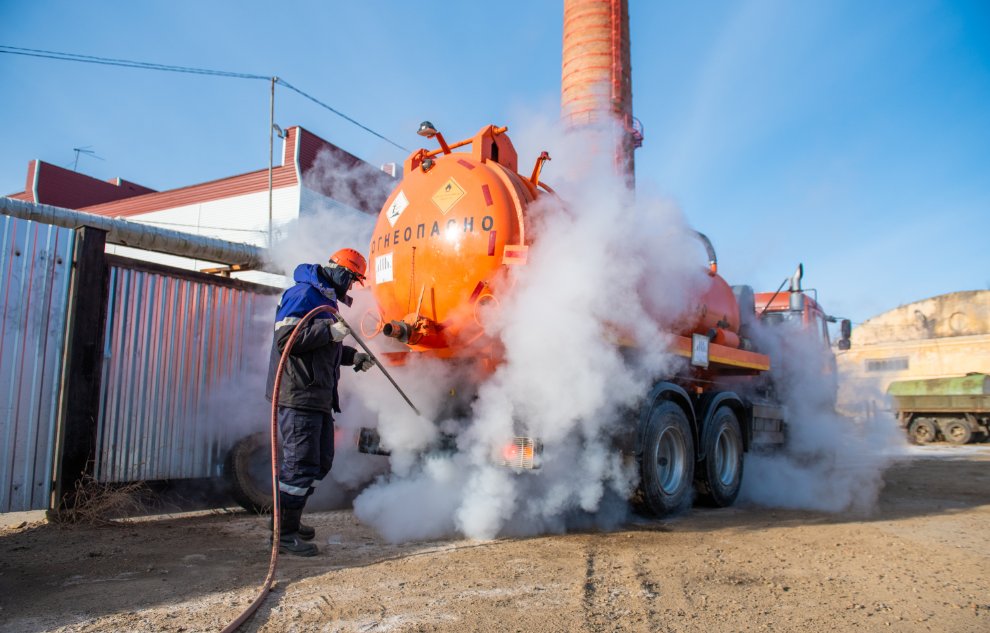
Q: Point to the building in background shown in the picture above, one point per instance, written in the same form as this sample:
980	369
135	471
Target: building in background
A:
944	336
314	175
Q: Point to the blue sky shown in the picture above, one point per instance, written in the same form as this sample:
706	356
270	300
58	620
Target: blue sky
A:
851	136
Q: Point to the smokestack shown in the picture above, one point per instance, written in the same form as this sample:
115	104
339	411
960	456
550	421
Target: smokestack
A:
596	75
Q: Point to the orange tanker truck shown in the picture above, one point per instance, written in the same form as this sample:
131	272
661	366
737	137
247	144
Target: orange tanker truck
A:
440	254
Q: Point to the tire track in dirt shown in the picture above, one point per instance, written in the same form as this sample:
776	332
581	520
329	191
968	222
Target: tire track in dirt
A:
590	587
650	592
619	592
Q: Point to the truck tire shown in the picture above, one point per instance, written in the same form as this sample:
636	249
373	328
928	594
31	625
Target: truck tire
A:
922	431
722	469
666	463
248	473
957	430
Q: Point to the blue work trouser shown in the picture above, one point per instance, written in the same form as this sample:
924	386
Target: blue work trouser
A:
307	453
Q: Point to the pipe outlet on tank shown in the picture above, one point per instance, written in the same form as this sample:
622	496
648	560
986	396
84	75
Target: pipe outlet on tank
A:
422	332
398	330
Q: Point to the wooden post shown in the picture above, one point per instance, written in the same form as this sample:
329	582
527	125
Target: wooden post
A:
79	400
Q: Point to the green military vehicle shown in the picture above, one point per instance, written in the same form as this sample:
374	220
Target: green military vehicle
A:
954	409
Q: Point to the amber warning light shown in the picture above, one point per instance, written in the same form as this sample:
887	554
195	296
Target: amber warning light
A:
522	452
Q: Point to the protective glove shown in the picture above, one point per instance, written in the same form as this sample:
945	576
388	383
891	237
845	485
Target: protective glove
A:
363	362
338	331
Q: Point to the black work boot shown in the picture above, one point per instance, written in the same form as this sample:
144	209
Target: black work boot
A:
305	532
290	541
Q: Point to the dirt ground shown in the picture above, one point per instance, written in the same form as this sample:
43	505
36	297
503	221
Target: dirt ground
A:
919	563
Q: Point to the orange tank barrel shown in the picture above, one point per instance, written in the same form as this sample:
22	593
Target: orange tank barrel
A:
446	237
444	240
716	310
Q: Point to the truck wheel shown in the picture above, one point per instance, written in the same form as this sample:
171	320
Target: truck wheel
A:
248	473
957	431
922	431
666	465
722	468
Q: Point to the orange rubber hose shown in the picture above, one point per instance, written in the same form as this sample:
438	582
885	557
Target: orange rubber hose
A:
276	531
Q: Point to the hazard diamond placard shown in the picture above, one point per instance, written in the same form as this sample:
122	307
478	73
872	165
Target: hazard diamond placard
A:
447	196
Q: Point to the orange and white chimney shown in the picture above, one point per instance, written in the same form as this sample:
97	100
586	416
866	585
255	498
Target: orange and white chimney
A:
596	75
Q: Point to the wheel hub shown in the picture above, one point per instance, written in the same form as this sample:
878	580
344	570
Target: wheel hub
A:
671	456
726	457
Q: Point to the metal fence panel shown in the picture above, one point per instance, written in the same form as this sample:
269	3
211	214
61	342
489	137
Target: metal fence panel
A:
174	345
35	270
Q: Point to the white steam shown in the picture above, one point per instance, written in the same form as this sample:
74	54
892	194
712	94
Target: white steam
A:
604	269
593	274
831	462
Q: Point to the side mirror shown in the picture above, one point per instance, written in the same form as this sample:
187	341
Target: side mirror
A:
845	331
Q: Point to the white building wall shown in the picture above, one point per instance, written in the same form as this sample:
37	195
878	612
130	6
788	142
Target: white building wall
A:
244	219
241	218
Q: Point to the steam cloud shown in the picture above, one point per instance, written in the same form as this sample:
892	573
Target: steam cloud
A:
833	462
591	274
603	265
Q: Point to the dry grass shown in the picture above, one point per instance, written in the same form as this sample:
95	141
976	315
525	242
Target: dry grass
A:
96	503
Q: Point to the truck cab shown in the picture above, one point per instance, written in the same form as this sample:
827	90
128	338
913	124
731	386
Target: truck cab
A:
796	305
800	309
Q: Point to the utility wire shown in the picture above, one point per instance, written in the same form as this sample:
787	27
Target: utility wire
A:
340	114
128	63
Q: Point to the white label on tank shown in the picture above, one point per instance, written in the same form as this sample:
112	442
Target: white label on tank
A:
699	350
383	268
396	208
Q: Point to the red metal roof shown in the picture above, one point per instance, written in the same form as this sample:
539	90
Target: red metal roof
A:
28	193
365	188
204	192
60	187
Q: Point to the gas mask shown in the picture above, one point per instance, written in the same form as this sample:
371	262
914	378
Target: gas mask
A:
340	280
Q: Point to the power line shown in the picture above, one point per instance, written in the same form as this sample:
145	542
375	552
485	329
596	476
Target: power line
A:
340	114
125	63
129	63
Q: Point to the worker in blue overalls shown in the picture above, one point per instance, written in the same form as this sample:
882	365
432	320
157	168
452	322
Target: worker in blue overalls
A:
308	391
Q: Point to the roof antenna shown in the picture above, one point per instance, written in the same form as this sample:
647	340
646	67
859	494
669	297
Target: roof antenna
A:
83	150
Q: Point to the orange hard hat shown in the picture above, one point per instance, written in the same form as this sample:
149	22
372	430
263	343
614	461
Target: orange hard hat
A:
352	261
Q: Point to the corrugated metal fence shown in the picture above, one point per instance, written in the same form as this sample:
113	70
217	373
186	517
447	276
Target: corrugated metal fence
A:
174	344
182	352
35	267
